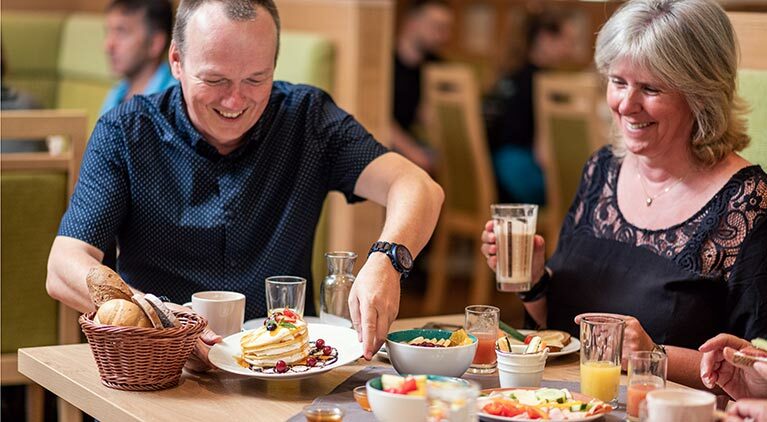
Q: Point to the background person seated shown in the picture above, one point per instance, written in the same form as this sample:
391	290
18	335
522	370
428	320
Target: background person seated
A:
138	33
426	29
509	112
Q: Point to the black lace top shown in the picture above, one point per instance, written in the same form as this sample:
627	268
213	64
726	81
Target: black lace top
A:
685	283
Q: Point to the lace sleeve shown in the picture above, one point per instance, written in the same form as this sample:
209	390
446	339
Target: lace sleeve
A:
747	284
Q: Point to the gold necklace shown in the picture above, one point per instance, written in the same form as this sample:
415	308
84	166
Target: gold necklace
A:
650	198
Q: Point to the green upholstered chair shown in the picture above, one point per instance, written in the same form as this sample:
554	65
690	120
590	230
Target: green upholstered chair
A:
308	58
59	58
456	130
35	188
751	31
568	130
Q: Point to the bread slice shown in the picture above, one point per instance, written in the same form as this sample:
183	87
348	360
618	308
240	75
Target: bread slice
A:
555	340
166	315
142	303
105	285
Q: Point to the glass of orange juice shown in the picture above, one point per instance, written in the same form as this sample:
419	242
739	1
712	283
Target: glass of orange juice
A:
647	372
601	346
482	322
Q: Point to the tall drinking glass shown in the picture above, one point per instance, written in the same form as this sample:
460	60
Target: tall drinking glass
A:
514	227
482	322
647	372
601	346
285	292
452	401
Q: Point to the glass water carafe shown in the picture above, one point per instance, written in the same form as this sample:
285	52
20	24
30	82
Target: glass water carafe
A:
334	291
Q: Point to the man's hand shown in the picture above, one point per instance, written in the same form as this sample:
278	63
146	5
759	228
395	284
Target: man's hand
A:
748	409
198	361
374	302
739	381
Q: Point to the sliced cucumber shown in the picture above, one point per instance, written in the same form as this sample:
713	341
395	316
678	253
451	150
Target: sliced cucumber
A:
578	407
551	395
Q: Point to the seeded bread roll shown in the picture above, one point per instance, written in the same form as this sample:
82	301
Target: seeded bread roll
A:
105	284
122	312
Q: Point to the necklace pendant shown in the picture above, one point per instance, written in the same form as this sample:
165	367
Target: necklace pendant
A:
648	201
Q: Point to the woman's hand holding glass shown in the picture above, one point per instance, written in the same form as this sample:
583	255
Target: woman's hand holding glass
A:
490	249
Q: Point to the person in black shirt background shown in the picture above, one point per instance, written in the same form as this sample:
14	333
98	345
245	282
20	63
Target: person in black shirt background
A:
426	29
551	39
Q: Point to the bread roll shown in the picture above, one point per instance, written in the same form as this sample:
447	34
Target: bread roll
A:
122	312
149	311
105	284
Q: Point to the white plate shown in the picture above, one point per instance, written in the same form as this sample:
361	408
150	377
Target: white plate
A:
482	401
254	323
223	354
572	347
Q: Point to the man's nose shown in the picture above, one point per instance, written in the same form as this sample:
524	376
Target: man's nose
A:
234	100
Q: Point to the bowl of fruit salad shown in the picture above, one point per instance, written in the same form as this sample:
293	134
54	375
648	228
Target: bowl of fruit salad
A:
433	352
395	398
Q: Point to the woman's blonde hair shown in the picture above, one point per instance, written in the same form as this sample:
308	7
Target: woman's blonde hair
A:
690	46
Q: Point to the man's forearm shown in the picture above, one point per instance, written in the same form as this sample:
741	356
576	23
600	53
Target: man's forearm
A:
412	209
68	265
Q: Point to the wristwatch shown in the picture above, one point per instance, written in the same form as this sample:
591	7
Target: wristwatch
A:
398	254
659	348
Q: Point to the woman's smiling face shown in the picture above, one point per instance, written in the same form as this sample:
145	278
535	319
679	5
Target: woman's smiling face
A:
653	118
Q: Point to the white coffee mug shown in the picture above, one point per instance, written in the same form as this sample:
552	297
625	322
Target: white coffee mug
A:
225	311
671	405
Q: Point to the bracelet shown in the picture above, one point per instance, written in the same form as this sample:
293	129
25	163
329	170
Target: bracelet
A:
659	348
538	290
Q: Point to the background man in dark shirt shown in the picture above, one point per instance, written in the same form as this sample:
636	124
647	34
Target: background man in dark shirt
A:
219	183
426	29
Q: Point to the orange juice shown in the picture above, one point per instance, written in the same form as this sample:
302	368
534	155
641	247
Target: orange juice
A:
600	379
485	348
637	393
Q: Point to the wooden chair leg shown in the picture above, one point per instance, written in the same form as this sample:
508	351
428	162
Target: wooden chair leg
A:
35	403
437	279
481	283
67	412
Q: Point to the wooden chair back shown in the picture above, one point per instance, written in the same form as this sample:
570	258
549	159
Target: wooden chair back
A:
456	130
570	114
32	169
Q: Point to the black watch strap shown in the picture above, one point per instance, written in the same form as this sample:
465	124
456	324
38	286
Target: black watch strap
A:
389	249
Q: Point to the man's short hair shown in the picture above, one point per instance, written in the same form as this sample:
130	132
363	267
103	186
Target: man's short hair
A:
237	10
158	14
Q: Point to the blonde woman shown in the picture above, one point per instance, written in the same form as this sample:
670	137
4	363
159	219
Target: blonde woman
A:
669	226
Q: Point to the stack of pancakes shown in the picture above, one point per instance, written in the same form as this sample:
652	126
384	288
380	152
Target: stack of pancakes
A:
287	342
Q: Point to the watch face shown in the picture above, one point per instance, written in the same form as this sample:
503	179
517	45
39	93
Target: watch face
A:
404	258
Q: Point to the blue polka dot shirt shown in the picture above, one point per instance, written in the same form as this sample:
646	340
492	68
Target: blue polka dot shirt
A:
187	219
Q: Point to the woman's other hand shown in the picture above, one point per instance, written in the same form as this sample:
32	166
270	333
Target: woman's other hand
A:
635	338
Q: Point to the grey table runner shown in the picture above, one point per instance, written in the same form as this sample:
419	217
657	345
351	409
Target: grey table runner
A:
343	397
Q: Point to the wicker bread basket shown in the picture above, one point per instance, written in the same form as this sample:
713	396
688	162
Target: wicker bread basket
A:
142	359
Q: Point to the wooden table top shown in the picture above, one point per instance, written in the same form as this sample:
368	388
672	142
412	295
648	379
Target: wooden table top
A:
70	372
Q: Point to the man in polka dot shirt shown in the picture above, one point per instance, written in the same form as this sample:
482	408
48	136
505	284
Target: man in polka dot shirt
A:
219	183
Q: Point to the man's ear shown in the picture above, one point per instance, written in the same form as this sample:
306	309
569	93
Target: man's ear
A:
174	59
